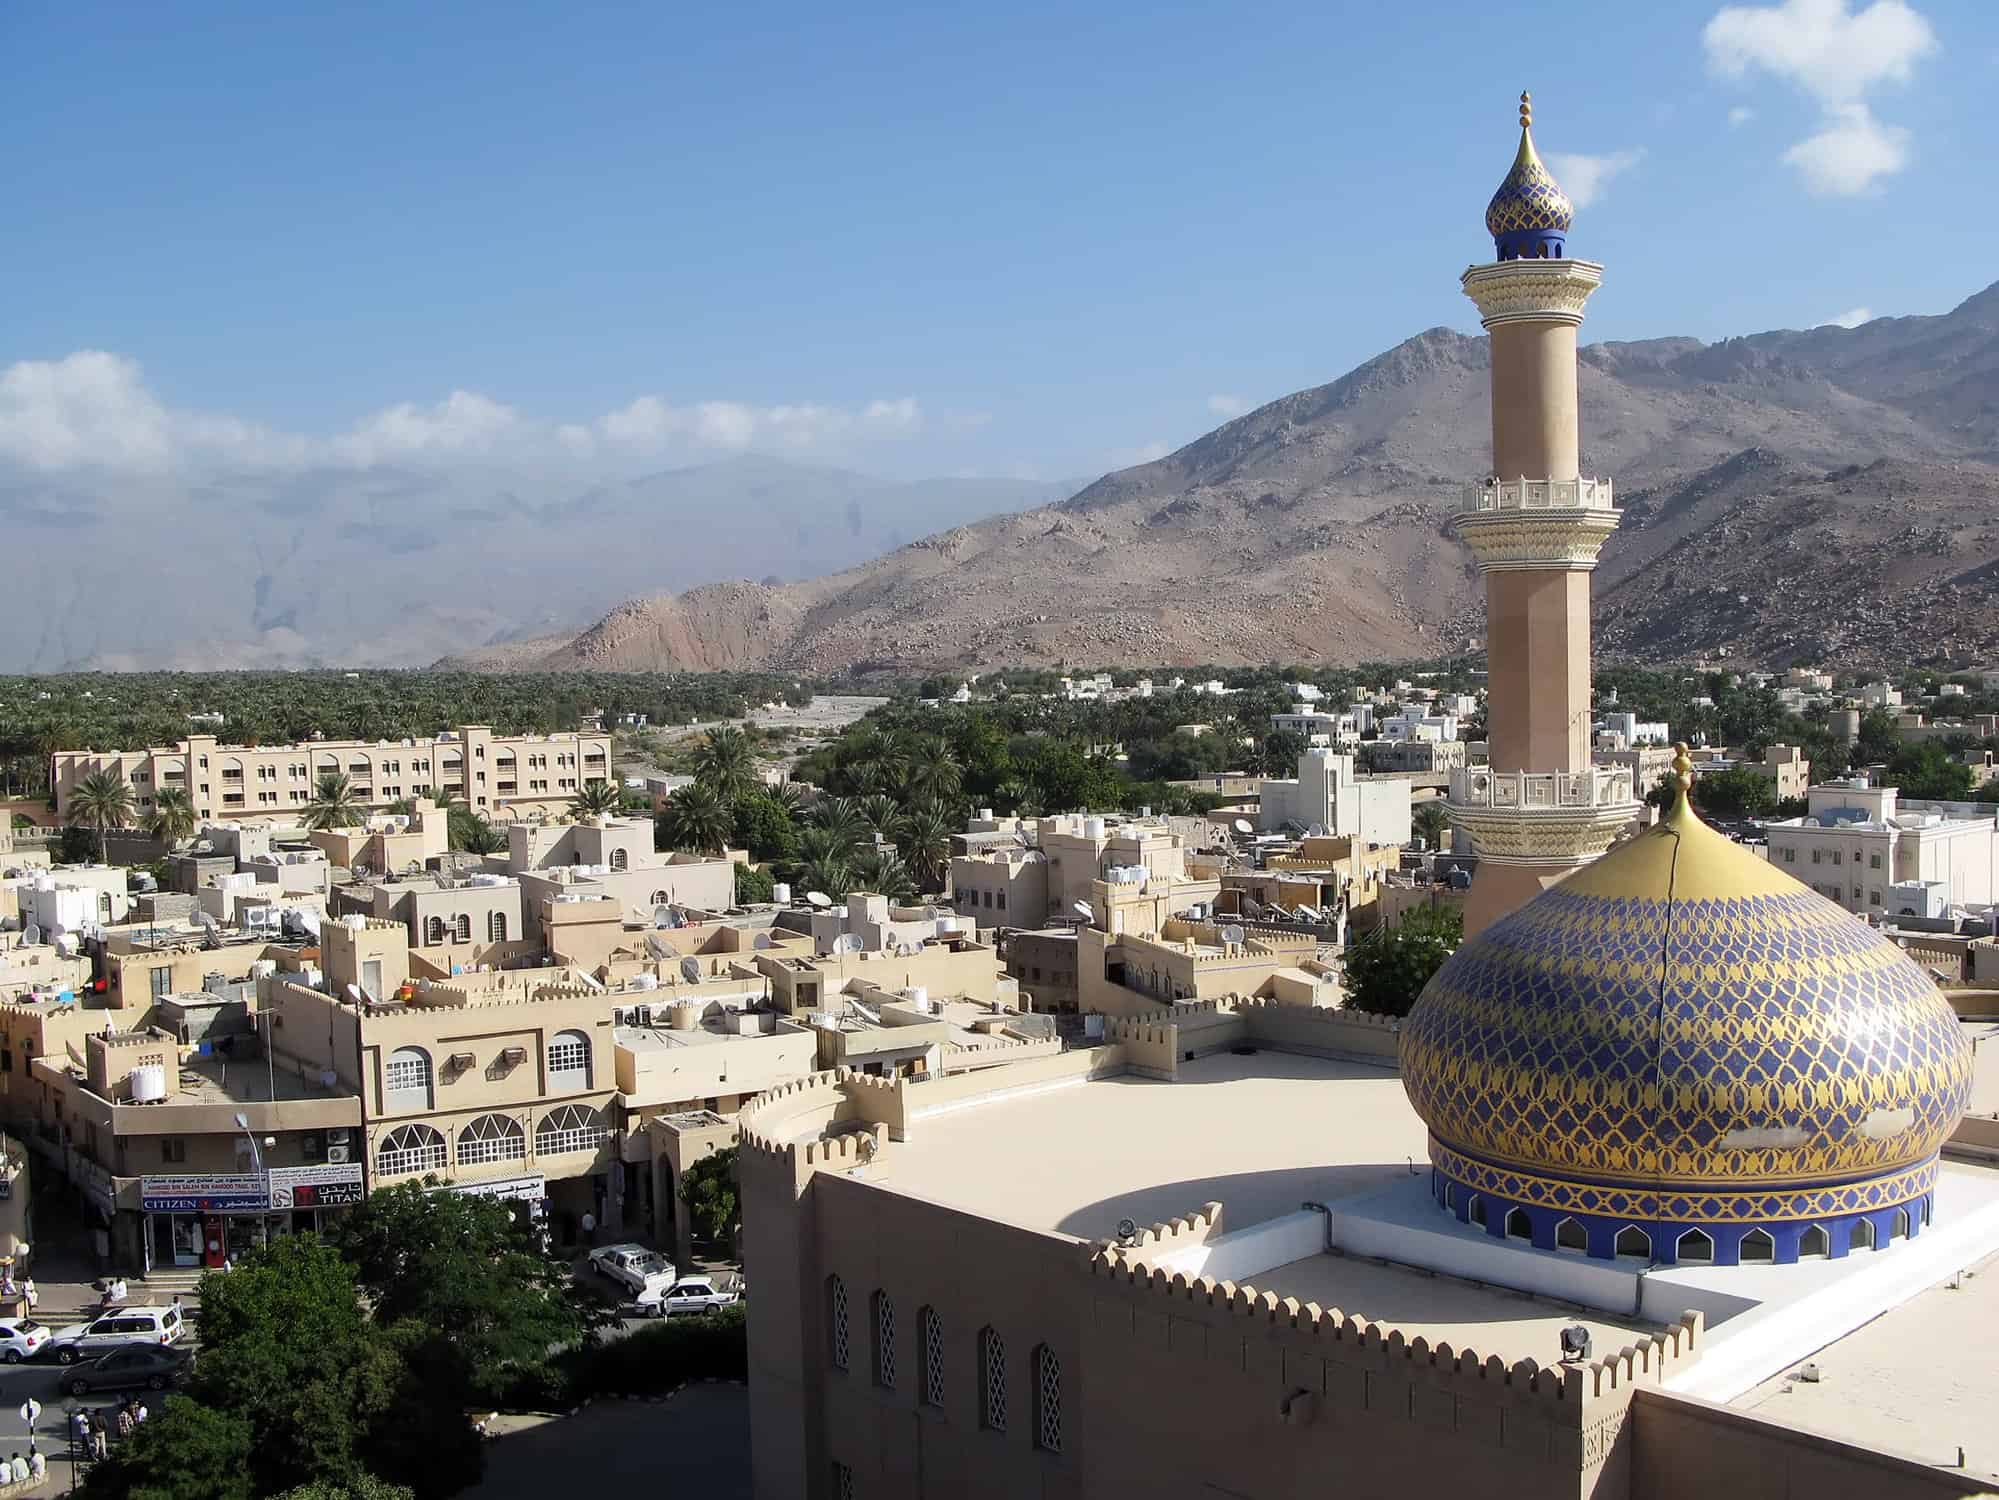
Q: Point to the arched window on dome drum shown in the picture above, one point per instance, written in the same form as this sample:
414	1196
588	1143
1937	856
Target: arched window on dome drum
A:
1757	1246
1694	1246
1518	1225
1926	1213
1570	1235
1814	1243
1451	1196
1898	1228
1477	1212
1631	1240
1863	1235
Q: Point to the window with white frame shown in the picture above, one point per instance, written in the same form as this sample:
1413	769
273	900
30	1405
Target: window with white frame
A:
406	1080
410	1148
992	1380
496	927
838	1346
568	1062
570	1127
492	1138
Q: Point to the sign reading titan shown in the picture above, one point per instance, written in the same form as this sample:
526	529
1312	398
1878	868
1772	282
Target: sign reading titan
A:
278	1189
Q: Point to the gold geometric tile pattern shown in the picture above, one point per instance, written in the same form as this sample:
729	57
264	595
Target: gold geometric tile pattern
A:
1760	1205
1608	1032
1529	198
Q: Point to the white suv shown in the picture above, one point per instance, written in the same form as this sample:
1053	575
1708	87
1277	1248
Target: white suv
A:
127	1325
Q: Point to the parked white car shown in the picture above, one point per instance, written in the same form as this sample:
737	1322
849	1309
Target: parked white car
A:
633	1267
688	1296
22	1338
125	1325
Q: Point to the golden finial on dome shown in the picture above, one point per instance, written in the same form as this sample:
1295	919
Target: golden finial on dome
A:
1683	773
1526	109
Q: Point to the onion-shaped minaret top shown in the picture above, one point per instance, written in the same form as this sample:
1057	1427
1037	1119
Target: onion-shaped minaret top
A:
1529	216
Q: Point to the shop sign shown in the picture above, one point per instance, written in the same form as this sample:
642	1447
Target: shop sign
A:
533	1188
240	1192
328	1186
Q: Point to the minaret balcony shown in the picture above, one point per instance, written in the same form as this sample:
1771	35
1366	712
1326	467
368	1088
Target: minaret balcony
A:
1537	494
1534	817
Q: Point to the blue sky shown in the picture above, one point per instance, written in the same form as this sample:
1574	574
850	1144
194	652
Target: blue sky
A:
1040	238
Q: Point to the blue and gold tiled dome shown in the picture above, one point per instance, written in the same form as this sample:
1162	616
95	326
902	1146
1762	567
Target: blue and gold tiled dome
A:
1681	1053
1530	215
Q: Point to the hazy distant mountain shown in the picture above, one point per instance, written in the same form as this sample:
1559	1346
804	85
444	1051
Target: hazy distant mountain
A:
387	567
1830	492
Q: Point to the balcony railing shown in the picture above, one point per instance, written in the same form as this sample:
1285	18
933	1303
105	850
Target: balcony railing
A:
1601	786
1537	494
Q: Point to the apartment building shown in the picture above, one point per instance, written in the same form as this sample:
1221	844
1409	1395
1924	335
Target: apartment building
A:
607	860
503	777
1340	731
450	922
1327	797
1858	847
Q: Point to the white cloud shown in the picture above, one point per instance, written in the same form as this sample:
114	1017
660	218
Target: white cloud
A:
94	410
1741	115
1851	154
1584	178
1144	453
462	423
1853	317
1835	55
1227	406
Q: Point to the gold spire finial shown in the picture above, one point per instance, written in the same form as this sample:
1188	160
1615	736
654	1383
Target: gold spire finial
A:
1683	771
1526	109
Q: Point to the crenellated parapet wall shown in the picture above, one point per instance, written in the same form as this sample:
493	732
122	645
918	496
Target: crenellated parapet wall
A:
1323	1030
1650	1361
1189	1229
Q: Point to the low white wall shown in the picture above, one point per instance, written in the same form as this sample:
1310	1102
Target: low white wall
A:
1245	1253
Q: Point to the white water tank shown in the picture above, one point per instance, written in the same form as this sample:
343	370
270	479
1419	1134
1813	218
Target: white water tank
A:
781	893
149	1084
642	982
1093	828
263	968
919	998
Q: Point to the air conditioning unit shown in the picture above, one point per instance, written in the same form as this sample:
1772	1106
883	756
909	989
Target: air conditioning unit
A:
338	1135
337	1154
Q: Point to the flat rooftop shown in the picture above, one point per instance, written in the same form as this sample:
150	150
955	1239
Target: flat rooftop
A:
1260	1133
1907	1381
211	1080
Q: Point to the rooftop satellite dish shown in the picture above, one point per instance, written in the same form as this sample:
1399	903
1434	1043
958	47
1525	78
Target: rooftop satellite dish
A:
1081	909
1309	913
660	948
33	935
1243	825
690	970
1316	831
354	993
847	942
761	941
819	899
1233	935
662	916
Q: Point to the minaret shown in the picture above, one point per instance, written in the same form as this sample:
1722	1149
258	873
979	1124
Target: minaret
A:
1540	811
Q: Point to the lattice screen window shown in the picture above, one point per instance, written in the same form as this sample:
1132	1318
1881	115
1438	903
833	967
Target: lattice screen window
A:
992	1380
836	1321
884	1340
843	1481
933	1357
1047	1400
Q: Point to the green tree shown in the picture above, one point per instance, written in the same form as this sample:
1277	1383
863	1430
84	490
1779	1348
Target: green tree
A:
172	820
1930	772
1386	970
1280	751
880	869
185	1451
335	803
101	802
697	819
467	1283
1738	792
1879	737
596	799
361	1487
763	825
473	834
708	1188
1431	821
926	843
725	765
753	885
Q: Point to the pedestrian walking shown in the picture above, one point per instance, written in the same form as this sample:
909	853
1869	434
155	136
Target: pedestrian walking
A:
100	1436
28	1291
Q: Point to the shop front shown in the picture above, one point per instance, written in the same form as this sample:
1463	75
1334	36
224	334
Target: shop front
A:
526	1196
207	1220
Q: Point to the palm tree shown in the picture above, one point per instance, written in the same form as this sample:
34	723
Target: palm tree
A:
787	796
841	816
926	844
102	801
883	815
404	807
882	871
597	799
725	764
1432	822
934	776
833	875
334	803
474	835
172	820
697	818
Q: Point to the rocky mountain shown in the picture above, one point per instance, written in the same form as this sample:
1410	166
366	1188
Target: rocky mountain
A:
1827	493
393	567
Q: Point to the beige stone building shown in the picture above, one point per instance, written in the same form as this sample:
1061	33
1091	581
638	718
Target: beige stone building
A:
502	777
1857	846
451	922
